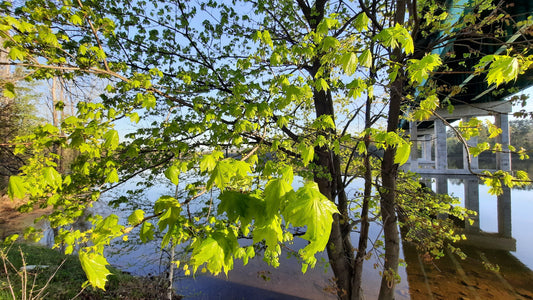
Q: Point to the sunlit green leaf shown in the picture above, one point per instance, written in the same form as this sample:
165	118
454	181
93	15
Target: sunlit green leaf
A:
275	189
402	153
215	251
112	176
307	152
52	177
173	174
349	63
395	36
147	232
321	84
136	217
312	209
16	187
111	139
94	266
365	59
9	90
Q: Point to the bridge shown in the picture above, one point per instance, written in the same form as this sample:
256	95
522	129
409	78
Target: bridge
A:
475	97
471	97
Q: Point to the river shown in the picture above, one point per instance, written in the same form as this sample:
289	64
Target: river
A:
449	278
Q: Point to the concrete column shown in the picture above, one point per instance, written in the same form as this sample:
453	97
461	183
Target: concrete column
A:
413	131
426	148
503	160
472	142
441	152
441	188
442	184
472	202
504	213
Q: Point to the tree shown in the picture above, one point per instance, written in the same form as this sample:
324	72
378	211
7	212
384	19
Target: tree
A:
279	84
17	117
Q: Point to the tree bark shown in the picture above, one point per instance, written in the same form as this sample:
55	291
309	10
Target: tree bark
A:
389	174
357	290
329	180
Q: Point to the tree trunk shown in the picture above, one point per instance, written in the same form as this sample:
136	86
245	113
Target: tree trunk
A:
389	173
357	292
329	180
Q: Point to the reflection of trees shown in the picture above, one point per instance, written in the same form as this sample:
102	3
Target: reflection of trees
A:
521	137
528	166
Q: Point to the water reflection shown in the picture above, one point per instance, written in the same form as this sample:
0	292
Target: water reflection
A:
501	226
497	242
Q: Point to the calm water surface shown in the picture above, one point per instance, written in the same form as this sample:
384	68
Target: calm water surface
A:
420	280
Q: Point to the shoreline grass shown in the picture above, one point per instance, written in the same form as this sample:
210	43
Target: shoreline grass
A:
28	268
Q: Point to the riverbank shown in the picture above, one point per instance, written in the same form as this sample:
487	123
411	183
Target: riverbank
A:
32	267
12	221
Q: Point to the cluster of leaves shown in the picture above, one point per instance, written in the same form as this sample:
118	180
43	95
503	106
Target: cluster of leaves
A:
422	217
262	82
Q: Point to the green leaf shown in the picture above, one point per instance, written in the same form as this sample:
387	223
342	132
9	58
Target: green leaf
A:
270	231
222	174
287	174
9	90
275	59
321	84
173	174
307	153
402	153
275	190
267	39
422	114
16	187
215	251
111	139
395	36
16	53
312	209
112	177
241	206
106	229
136	217
430	103
76	20
94	266
147	232
51	177
365	59
330	43
503	69
170	210
149	101
419	70
210	252
134	117
349	63
361	22
209	161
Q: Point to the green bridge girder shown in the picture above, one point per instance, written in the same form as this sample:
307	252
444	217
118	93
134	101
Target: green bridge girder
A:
474	45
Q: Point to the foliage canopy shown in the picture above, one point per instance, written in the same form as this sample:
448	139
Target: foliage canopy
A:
237	98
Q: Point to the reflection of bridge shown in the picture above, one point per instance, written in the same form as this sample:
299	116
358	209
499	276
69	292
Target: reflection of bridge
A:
501	240
472	278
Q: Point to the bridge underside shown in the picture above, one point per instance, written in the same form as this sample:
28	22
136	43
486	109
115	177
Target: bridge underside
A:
460	85
431	136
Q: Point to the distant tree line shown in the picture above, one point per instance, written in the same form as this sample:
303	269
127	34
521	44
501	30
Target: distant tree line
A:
521	137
